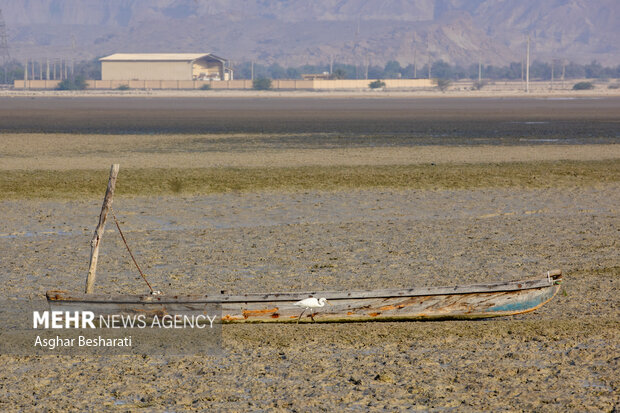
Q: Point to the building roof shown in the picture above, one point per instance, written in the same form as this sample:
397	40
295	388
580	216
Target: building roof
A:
182	57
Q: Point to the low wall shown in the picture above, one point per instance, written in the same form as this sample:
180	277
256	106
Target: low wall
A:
363	83
277	84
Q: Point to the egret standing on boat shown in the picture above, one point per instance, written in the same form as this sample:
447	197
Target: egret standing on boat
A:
310	302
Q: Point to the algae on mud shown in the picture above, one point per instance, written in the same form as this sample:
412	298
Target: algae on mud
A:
74	184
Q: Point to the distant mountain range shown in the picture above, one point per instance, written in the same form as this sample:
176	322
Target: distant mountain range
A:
296	32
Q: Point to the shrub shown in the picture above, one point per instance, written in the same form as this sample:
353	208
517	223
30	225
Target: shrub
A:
123	87
583	86
376	84
77	83
443	84
262	83
479	84
614	86
206	86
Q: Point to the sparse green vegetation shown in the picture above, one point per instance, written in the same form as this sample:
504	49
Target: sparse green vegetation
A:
123	87
74	184
77	83
443	84
262	83
377	84
206	86
583	86
614	86
176	185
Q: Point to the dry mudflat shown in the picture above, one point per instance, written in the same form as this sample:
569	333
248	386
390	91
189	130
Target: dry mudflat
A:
397	214
563	356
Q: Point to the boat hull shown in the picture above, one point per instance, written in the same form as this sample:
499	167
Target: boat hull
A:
438	303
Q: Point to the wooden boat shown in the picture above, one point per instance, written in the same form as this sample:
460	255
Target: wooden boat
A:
424	303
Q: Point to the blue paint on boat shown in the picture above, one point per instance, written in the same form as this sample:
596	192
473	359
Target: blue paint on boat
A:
523	305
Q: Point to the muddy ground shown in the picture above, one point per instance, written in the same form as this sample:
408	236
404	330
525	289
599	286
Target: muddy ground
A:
333	122
563	356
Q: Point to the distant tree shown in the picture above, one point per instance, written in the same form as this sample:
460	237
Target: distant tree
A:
583	86
276	71
11	71
594	70
575	71
293	73
77	83
338	74
442	70
443	84
262	83
540	70
349	70
376	84
243	70
392	70
88	69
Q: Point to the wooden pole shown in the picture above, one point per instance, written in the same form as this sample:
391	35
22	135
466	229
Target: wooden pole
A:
96	241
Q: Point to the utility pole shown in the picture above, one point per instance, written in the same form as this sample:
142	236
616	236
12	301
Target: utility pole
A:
563	71
331	64
479	70
428	49
47	72
252	70
552	61
429	66
527	66
415	74
356	48
4	48
521	71
73	56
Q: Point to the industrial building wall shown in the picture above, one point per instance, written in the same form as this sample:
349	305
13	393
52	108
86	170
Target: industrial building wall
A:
145	70
204	70
281	84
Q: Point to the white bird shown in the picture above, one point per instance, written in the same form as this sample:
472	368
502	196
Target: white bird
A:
310	302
